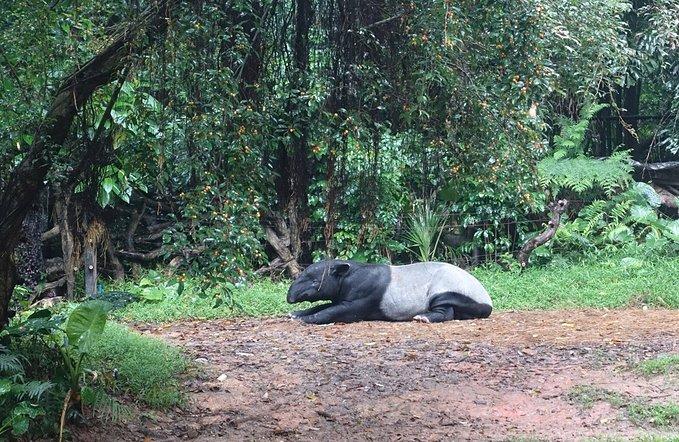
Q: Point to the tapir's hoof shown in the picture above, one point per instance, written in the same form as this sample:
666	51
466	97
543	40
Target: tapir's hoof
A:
293	315
422	318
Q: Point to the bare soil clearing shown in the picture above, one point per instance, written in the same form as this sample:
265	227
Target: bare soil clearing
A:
502	378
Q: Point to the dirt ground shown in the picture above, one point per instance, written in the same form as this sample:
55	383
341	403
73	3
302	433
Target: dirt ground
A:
504	378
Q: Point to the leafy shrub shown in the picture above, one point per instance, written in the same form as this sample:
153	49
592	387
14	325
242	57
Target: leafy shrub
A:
155	287
583	175
20	400
71	338
628	218
425	226
52	368
568	169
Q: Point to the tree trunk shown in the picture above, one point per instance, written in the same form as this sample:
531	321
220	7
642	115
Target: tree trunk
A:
68	242
251	68
132	227
298	204
90	262
631	97
292	163
118	269
29	259
6	285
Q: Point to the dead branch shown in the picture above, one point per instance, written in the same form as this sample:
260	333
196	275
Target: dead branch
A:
139	256
283	252
52	285
47	302
152	236
278	236
160	226
157	253
656	166
276	265
557	209
51	233
667	198
185	255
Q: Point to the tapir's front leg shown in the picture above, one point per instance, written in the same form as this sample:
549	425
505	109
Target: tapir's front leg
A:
347	311
310	311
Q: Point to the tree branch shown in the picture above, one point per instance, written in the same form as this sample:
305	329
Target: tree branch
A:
557	209
51	233
139	256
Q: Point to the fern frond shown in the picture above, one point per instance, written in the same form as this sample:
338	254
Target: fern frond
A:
582	174
104	405
573	133
32	390
10	364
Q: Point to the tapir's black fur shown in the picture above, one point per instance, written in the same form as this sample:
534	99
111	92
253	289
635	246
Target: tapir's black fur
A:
356	290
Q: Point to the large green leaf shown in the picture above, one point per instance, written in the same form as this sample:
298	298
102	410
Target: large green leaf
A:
152	294
621	234
108	185
20	425
5	386
649	194
86	323
672	230
643	214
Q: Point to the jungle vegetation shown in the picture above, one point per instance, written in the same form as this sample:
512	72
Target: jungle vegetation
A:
166	141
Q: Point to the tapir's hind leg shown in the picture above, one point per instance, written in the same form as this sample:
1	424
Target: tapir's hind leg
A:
450	305
441	308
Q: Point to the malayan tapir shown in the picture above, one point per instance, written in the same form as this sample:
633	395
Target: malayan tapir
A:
425	292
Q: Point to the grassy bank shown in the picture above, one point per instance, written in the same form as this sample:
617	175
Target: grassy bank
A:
146	369
605	283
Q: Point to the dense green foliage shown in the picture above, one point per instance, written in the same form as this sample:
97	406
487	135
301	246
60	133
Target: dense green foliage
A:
69	364
460	101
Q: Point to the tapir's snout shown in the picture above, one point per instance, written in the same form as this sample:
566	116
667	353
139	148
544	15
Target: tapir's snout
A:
294	294
300	291
291	296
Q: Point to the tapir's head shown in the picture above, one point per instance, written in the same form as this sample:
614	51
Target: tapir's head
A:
319	282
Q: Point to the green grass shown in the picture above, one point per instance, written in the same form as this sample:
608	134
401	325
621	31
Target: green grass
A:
262	298
586	396
661	365
639	411
642	438
147	368
660	415
600	283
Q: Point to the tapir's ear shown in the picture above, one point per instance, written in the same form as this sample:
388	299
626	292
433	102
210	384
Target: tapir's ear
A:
341	269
